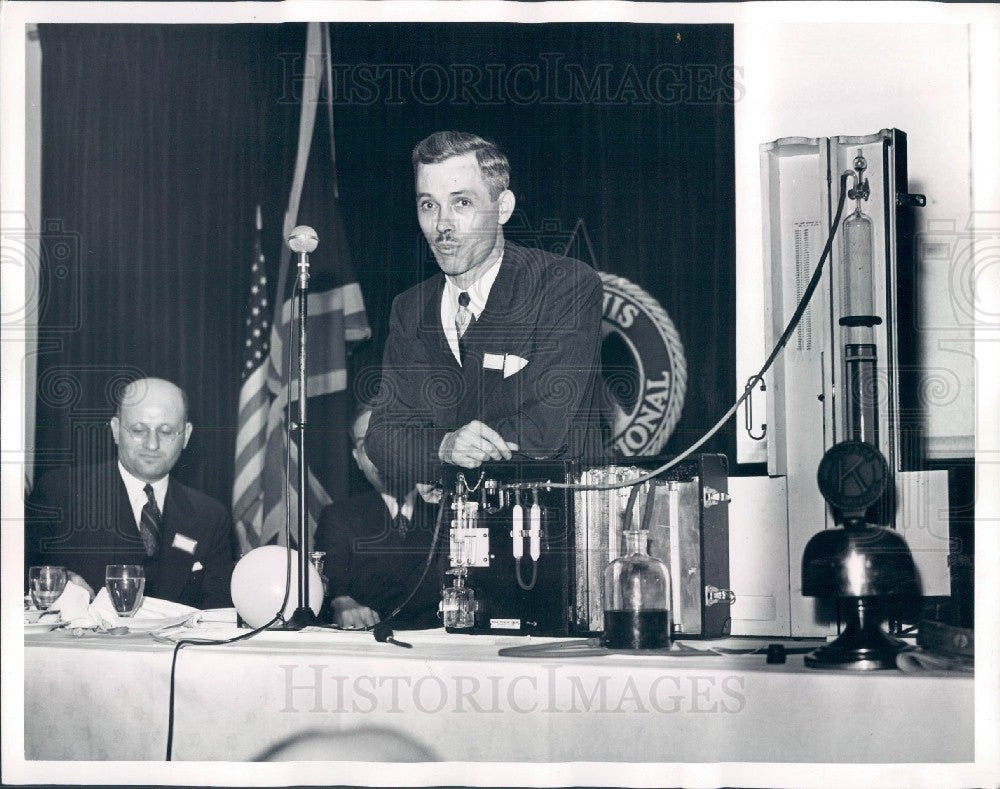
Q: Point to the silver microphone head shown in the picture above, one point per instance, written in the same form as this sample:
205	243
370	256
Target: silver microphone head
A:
303	239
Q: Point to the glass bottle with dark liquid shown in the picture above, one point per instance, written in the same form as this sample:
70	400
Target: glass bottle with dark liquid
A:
636	598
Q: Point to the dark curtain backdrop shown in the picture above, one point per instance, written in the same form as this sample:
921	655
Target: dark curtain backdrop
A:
158	142
154	156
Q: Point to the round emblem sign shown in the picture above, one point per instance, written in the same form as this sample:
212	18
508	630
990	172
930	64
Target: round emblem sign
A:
852	475
644	368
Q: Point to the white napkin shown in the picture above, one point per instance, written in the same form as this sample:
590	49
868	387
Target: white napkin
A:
77	610
73	606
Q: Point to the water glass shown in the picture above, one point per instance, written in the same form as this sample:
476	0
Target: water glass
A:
125	584
45	584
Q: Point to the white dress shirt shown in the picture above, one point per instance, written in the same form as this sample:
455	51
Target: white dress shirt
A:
137	496
478	292
396	508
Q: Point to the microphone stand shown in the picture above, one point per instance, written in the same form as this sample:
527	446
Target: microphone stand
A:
303	615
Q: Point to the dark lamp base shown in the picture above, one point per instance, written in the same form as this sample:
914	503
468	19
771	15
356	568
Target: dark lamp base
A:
863	646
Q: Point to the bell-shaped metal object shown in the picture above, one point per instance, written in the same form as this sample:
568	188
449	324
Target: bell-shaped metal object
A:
863	645
852	561
862	564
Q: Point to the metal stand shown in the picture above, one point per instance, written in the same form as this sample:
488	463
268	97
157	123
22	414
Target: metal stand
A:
303	615
863	646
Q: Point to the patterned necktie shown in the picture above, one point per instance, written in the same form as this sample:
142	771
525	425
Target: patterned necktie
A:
464	318
149	522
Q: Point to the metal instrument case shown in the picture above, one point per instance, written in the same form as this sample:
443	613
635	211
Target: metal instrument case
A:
581	531
688	530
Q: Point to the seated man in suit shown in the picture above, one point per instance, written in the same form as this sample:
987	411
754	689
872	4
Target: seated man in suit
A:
130	511
376	548
496	355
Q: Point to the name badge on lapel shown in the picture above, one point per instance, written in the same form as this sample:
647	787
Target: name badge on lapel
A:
185	544
493	361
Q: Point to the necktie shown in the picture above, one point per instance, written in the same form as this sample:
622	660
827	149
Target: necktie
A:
463	320
149	523
401	524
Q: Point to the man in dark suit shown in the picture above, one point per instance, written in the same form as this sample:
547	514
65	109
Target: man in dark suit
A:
130	511
498	354
377	546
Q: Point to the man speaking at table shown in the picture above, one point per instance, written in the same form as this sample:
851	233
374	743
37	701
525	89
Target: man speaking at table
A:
498	354
131	511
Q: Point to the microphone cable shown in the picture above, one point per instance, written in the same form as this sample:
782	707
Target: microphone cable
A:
279	617
382	630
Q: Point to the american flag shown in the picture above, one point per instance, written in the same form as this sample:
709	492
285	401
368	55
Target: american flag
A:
336	315
254	403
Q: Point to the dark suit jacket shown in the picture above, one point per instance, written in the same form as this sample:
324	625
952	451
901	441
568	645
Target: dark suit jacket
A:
542	308
80	518
368	559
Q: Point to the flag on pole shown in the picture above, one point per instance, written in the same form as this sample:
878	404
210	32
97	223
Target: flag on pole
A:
336	316
254	402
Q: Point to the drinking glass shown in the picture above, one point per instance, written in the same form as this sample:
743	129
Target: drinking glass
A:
46	583
125	584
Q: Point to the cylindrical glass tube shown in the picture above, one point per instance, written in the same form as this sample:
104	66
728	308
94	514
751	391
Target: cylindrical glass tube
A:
861	363
857	288
858	321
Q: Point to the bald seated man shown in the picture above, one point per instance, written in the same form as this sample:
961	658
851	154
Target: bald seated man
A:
130	511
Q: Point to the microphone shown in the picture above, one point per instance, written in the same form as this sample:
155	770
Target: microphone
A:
303	239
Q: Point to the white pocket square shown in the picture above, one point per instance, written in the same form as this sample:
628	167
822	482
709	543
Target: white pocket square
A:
512	364
508	362
196	567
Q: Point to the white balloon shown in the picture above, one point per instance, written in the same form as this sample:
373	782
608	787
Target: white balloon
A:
258	585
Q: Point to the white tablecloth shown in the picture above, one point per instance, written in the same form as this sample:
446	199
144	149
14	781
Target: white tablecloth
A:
105	698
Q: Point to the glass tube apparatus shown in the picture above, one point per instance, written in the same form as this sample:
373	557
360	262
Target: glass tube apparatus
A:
858	319
468	547
458	601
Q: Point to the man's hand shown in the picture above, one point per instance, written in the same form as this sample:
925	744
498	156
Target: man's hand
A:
349	614
472	445
430	493
73	578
